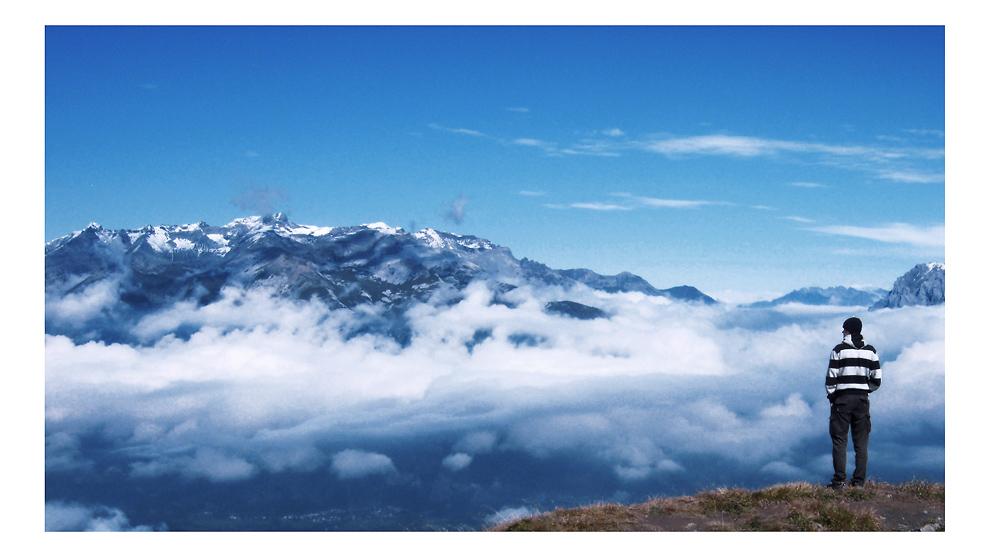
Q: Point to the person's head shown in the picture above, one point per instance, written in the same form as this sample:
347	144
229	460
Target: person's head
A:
852	326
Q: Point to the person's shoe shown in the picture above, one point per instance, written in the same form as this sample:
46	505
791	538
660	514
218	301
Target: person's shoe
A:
836	486
856	485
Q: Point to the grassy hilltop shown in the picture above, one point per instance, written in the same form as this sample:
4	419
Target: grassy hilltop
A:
877	507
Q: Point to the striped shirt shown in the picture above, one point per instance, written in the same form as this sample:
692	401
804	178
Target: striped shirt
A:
852	369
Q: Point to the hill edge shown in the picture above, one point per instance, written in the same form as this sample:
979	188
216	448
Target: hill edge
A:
794	507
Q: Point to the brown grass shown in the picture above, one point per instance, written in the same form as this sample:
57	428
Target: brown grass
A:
791	507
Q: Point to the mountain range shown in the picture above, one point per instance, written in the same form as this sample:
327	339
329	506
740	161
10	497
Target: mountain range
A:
923	285
833	296
346	267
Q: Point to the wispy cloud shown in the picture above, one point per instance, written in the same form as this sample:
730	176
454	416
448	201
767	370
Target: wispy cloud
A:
898	164
260	199
517	109
631	202
897	233
915	177
463	131
714	145
532	193
585	147
936	133
593	206
528	142
455	211
591	149
675	203
744	146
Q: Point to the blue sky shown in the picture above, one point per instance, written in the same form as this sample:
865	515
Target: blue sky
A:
740	160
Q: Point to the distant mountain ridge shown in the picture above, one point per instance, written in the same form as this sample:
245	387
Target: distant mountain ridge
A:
344	267
628	282
833	296
923	285
146	270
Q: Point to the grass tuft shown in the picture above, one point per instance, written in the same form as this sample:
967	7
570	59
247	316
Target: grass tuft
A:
842	519
925	490
601	517
657	510
732	501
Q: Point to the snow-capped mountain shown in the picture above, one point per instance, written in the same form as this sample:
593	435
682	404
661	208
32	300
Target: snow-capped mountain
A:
344	267
834	296
924	285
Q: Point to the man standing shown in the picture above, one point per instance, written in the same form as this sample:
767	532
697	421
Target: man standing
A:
853	373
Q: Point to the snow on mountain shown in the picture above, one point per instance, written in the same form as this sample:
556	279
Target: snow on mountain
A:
924	285
154	267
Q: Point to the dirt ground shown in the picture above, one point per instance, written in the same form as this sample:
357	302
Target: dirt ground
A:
894	512
875	507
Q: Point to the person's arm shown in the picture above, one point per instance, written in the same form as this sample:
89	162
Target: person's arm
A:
831	376
875	371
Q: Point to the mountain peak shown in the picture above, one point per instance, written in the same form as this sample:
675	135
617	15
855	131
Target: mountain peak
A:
384	228
255	221
276	218
924	285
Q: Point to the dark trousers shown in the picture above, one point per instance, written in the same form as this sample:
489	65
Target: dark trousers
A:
850	410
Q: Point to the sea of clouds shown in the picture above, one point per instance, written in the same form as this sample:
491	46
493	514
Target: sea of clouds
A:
658	396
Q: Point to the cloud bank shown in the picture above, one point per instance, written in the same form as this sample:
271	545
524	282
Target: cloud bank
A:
658	393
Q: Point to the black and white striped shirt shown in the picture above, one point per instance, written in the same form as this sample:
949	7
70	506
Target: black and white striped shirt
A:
852	369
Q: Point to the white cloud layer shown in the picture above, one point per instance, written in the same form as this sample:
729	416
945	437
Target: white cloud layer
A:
263	383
